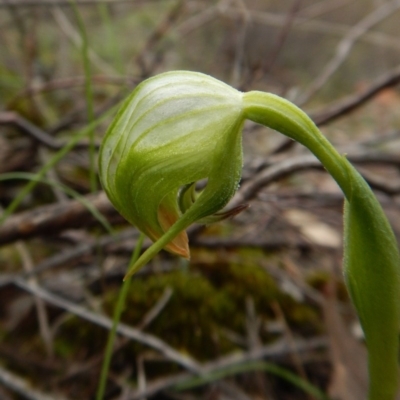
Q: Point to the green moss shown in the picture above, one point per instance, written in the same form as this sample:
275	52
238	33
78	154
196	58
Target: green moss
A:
79	339
207	300
190	320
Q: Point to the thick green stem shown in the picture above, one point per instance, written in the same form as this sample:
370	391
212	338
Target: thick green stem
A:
279	114
371	257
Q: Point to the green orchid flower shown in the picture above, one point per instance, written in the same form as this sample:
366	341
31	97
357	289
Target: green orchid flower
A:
180	127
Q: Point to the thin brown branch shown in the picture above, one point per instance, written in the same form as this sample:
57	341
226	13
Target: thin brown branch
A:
23	387
277	47
156	36
155	311
352	102
38	134
41	311
71	82
250	188
105	322
13	119
348	104
344	47
275	352
53	218
318	27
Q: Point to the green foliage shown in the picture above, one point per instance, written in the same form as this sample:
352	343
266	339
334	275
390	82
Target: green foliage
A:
371	265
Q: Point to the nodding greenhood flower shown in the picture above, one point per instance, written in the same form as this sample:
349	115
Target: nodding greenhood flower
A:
174	130
181	127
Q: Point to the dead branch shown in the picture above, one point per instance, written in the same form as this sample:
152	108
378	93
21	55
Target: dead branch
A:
105	322
12	118
275	352
23	387
354	101
270	61
156	36
348	104
316	26
51	219
344	47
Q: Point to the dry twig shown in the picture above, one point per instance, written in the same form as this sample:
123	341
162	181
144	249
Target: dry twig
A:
105	322
346	44
23	388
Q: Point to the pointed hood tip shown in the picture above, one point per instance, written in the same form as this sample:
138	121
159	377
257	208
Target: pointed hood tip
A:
180	249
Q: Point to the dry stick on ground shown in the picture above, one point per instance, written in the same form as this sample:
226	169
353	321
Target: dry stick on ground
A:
69	30
254	342
240	45
346	44
155	311
273	352
322	7
270	60
67	256
319	27
352	102
156	36
296	358
54	218
13	119
348	104
68	83
23	387
41	311
198	20
250	188
149	340
152	314
25	126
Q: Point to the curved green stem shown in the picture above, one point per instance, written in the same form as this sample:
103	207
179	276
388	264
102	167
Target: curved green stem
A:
371	257
283	116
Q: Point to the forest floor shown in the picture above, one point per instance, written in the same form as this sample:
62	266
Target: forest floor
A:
261	310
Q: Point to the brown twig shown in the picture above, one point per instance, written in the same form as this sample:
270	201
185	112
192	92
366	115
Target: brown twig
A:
352	102
250	188
318	27
68	83
348	104
12	118
105	322
38	134
346	44
156	36
277	47
275	352
50	219
23	387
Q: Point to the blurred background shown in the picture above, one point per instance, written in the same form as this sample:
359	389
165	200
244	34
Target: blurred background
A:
261	310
